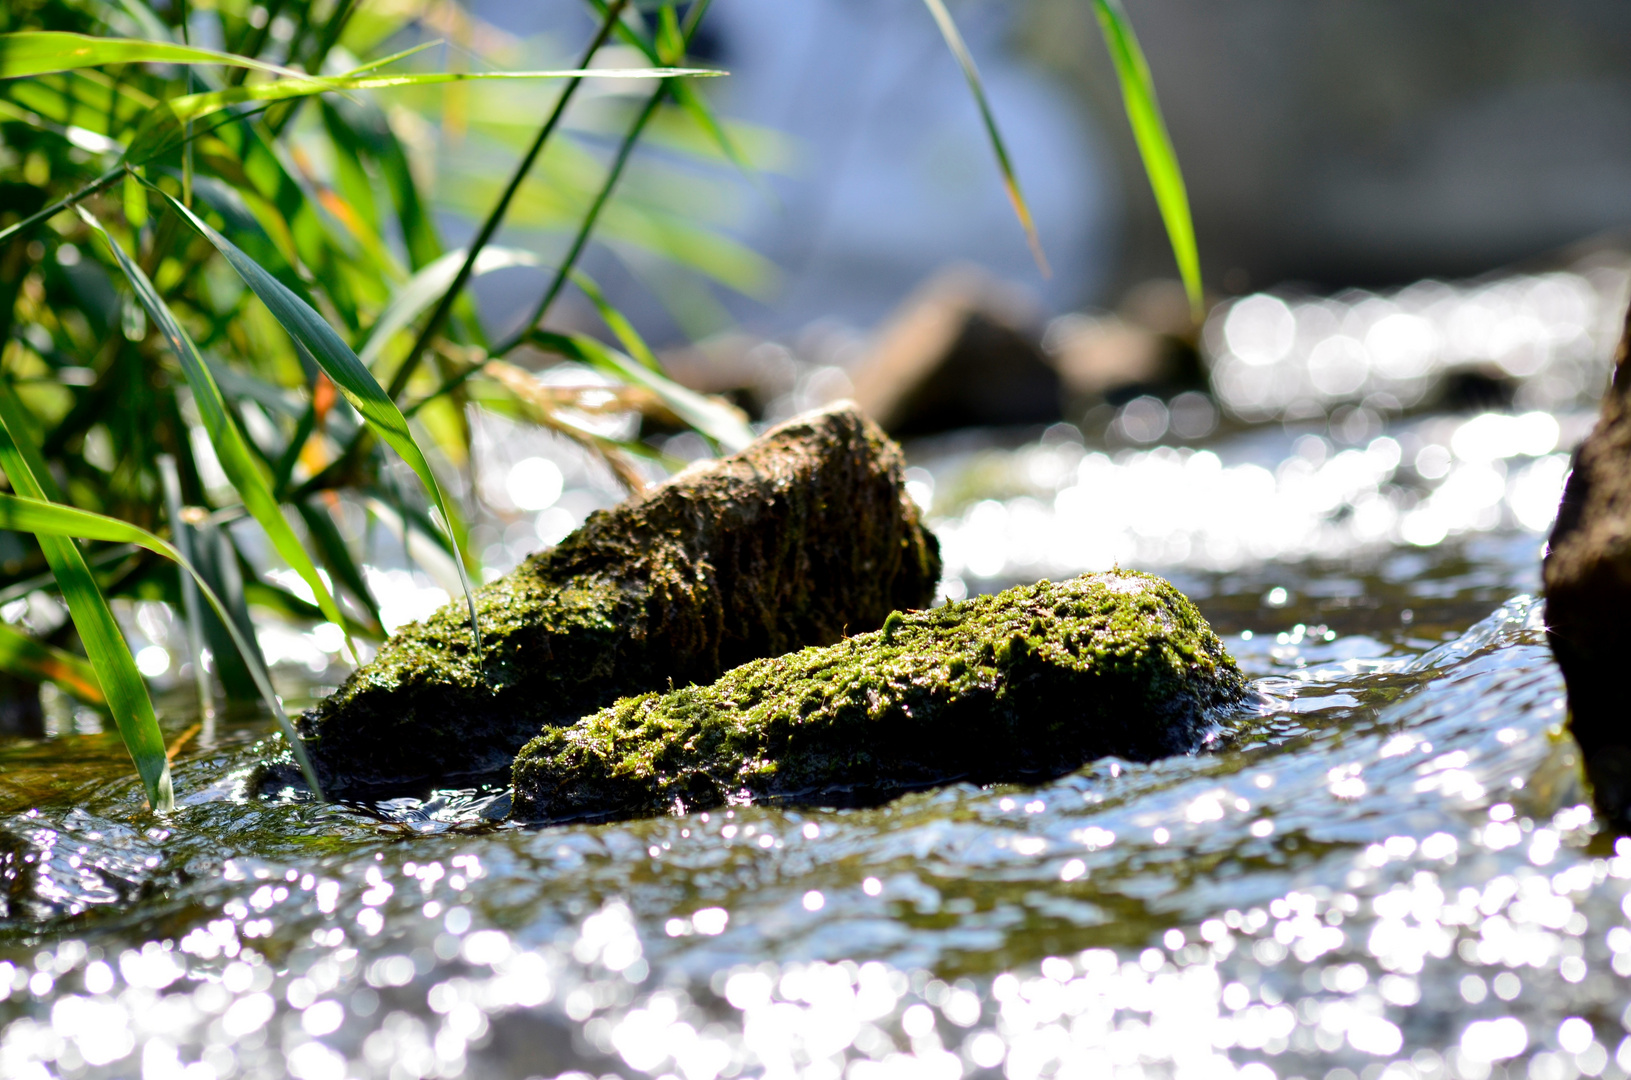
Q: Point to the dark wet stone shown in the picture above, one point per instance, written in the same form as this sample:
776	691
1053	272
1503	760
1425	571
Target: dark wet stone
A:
1025	685
1587	577
802	537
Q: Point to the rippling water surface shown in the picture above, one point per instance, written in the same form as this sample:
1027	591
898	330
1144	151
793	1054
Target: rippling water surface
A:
1388	871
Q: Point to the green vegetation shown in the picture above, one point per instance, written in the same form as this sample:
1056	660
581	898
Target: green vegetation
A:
251	281
1024	685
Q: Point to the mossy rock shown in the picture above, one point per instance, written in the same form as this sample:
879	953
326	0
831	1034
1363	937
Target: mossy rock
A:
1025	685
804	536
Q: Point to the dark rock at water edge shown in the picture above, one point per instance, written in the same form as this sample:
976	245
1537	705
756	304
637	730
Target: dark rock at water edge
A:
1587	576
1024	685
804	536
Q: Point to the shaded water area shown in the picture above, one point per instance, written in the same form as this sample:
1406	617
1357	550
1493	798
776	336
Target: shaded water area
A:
1386	868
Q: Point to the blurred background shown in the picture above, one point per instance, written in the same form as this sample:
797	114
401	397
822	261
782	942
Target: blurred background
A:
1326	146
1326	143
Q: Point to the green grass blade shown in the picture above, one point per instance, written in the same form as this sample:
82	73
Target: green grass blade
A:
187	543
689	100
36	661
350	374
1154	145
240	464
42	52
427	286
1010	179
105	645
693	103
54	522
194	106
331	545
719	422
107	179
617	322
495	216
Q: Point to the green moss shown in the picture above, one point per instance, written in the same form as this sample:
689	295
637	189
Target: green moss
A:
1027	684
807	532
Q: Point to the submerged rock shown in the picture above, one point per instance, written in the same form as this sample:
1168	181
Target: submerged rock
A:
806	534
1587	577
1025	685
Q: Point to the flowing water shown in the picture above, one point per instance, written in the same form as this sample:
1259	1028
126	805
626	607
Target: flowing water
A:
1388	869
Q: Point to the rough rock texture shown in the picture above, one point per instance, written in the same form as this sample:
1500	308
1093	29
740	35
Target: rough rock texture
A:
806	534
1028	684
1588	595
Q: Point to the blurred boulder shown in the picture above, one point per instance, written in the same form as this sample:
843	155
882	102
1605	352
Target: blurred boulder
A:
747	371
1146	348
963	351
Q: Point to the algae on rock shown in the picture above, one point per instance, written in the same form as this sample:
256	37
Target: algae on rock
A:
1027	684
804	536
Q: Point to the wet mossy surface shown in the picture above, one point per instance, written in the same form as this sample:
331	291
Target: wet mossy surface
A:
804	536
1028	684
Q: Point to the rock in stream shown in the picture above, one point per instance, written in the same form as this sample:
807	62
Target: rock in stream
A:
1587	576
804	536
1025	685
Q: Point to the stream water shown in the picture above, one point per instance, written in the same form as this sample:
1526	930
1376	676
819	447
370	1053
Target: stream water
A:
1390	871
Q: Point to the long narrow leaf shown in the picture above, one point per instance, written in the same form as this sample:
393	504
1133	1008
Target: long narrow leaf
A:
350	375
105	645
1154	145
689	100
193	106
243	469
53	521
327	539
717	421
617	322
29	658
1010	179
41	52
427	286
495	216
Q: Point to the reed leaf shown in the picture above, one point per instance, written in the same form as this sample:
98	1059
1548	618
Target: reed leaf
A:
1154	144
617	322
715	419
44	52
350	375
426	287
105	646
31	659
1010	178
238	461
52	521
195	106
